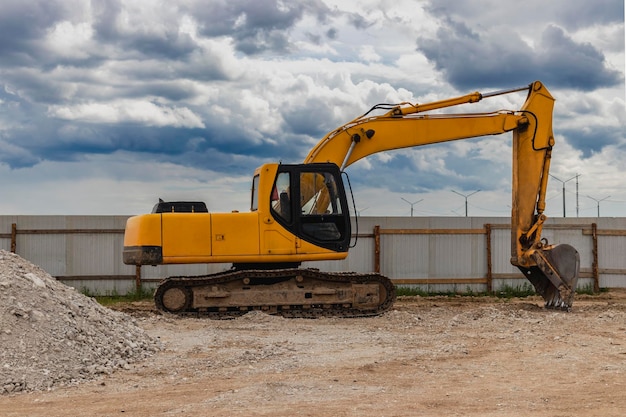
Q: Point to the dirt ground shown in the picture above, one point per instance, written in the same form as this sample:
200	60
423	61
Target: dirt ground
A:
426	357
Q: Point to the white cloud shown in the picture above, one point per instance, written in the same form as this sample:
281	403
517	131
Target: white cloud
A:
368	54
71	40
124	111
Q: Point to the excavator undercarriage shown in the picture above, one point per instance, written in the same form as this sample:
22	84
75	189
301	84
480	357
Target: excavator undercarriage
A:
291	292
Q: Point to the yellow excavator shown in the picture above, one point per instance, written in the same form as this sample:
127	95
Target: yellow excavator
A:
300	212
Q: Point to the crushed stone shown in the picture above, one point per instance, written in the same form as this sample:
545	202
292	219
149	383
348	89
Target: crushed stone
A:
52	336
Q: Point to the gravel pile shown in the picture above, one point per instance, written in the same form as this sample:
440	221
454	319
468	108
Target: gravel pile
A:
51	336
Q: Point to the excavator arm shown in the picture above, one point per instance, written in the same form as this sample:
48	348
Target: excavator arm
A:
553	270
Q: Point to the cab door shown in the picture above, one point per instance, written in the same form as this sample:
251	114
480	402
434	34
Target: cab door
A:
310	201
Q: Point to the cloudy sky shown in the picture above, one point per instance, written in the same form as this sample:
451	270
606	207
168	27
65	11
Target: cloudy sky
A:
107	105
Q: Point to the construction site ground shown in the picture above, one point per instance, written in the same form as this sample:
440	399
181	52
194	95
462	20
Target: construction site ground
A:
428	356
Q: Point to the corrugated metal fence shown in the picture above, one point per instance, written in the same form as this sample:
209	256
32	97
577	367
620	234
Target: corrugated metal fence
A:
444	254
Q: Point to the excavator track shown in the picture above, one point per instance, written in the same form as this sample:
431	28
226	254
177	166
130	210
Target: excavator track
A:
293	293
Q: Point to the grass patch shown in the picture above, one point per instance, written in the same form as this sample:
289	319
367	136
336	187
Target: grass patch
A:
586	289
114	297
412	291
506	291
519	291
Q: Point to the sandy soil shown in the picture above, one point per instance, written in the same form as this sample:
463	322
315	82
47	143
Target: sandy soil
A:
427	357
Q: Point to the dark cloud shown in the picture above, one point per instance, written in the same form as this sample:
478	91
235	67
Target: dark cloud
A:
572	15
314	118
170	44
261	41
174	91
19	120
105	14
138	36
583	13
256	26
60	140
576	65
591	140
472	59
358	21
313	38
22	25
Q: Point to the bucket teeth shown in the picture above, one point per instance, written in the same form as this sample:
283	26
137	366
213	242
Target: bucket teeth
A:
558	304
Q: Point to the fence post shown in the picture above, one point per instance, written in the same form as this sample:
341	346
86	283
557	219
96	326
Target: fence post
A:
377	249
489	271
13	238
138	279
594	264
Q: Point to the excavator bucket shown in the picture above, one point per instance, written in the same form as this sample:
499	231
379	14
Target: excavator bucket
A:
555	276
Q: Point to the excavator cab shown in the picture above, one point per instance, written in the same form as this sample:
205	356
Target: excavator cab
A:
309	200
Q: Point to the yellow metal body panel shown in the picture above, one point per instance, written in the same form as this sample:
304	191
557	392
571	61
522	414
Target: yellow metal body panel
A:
186	234
309	249
278	242
143	230
235	234
222	237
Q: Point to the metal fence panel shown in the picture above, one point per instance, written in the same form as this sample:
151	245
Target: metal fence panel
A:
79	247
405	256
45	250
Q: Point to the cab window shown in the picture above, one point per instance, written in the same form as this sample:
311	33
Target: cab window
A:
254	205
281	197
318	194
